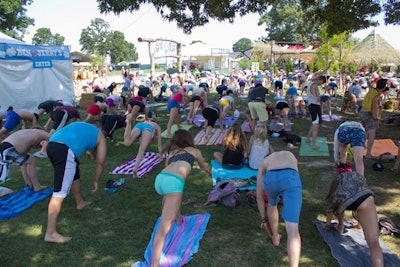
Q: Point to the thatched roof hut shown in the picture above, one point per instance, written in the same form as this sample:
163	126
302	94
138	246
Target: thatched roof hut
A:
376	51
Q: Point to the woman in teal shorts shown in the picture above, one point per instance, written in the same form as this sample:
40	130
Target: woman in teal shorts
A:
170	183
145	131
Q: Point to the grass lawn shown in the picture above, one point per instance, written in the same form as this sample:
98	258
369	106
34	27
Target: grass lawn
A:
116	228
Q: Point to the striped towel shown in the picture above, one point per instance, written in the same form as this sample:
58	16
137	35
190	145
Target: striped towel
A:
216	138
149	162
181	242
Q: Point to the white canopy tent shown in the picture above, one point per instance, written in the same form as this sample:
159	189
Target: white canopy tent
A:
32	74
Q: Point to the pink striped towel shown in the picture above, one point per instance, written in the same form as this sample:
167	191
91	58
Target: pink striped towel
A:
216	138
149	162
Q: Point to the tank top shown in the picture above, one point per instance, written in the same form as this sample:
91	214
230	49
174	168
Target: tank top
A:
367	102
311	99
258	152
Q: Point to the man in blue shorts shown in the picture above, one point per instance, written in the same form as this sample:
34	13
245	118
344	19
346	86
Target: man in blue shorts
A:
278	176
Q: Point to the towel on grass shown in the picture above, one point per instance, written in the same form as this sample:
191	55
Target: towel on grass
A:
174	128
181	242
382	146
149	162
198	120
228	121
216	138
351	249
306	148
245	173
325	117
16	203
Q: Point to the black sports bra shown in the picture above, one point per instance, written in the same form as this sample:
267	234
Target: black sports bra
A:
186	156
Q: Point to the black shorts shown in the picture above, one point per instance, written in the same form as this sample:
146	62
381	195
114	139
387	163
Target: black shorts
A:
98	99
195	98
60	118
109	123
315	110
211	115
282	105
133	103
143	91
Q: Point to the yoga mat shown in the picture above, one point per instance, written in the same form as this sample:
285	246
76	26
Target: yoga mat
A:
174	128
198	120
351	249
306	148
181	242
219	173
149	162
246	126
278	126
381	146
152	105
216	138
16	203
325	117
228	121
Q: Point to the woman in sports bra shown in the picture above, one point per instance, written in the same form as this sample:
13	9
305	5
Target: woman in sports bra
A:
145	131
170	183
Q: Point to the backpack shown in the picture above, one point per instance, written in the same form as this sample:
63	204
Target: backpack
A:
224	193
293	139
388	227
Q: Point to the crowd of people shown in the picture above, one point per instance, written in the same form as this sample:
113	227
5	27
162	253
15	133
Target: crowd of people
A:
278	173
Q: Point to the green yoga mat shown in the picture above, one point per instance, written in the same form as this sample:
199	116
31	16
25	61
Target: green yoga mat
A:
306	148
174	128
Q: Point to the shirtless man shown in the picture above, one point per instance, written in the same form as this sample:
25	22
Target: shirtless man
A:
278	176
14	150
65	147
14	117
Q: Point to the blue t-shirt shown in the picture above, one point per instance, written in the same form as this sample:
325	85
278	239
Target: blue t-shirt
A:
78	136
292	91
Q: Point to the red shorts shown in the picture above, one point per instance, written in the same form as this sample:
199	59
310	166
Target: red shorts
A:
93	110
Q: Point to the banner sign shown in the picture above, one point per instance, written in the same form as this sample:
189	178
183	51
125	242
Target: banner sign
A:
41	56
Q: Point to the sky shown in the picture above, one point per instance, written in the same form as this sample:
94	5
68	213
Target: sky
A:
68	18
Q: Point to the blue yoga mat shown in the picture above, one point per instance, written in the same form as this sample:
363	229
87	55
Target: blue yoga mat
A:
351	249
224	174
181	242
16	203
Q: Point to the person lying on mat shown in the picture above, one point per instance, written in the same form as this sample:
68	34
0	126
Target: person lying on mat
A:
235	148
170	183
278	175
15	150
211	114
64	148
145	131
349	191
259	146
349	133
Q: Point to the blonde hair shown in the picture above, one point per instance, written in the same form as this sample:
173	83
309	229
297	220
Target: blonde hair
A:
235	138
260	133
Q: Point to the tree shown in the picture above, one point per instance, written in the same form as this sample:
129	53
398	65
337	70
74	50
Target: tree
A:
44	36
285	21
338	15
120	49
94	39
13	19
242	45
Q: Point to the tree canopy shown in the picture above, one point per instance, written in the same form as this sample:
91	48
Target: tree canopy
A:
13	18
338	15
44	36
242	45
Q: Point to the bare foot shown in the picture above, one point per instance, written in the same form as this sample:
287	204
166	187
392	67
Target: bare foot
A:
276	239
39	188
179	220
134	174
82	204
56	238
308	140
315	147
169	134
340	228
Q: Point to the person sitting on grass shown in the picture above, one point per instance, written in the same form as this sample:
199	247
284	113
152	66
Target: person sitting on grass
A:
349	191
278	176
170	183
235	149
259	146
145	131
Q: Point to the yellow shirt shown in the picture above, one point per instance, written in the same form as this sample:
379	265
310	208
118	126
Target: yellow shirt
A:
367	102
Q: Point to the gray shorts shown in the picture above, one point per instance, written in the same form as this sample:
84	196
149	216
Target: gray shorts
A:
367	120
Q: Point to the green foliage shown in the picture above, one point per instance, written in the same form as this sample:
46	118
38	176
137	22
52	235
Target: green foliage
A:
285	21
289	66
120	49
94	39
43	36
13	18
242	45
244	64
